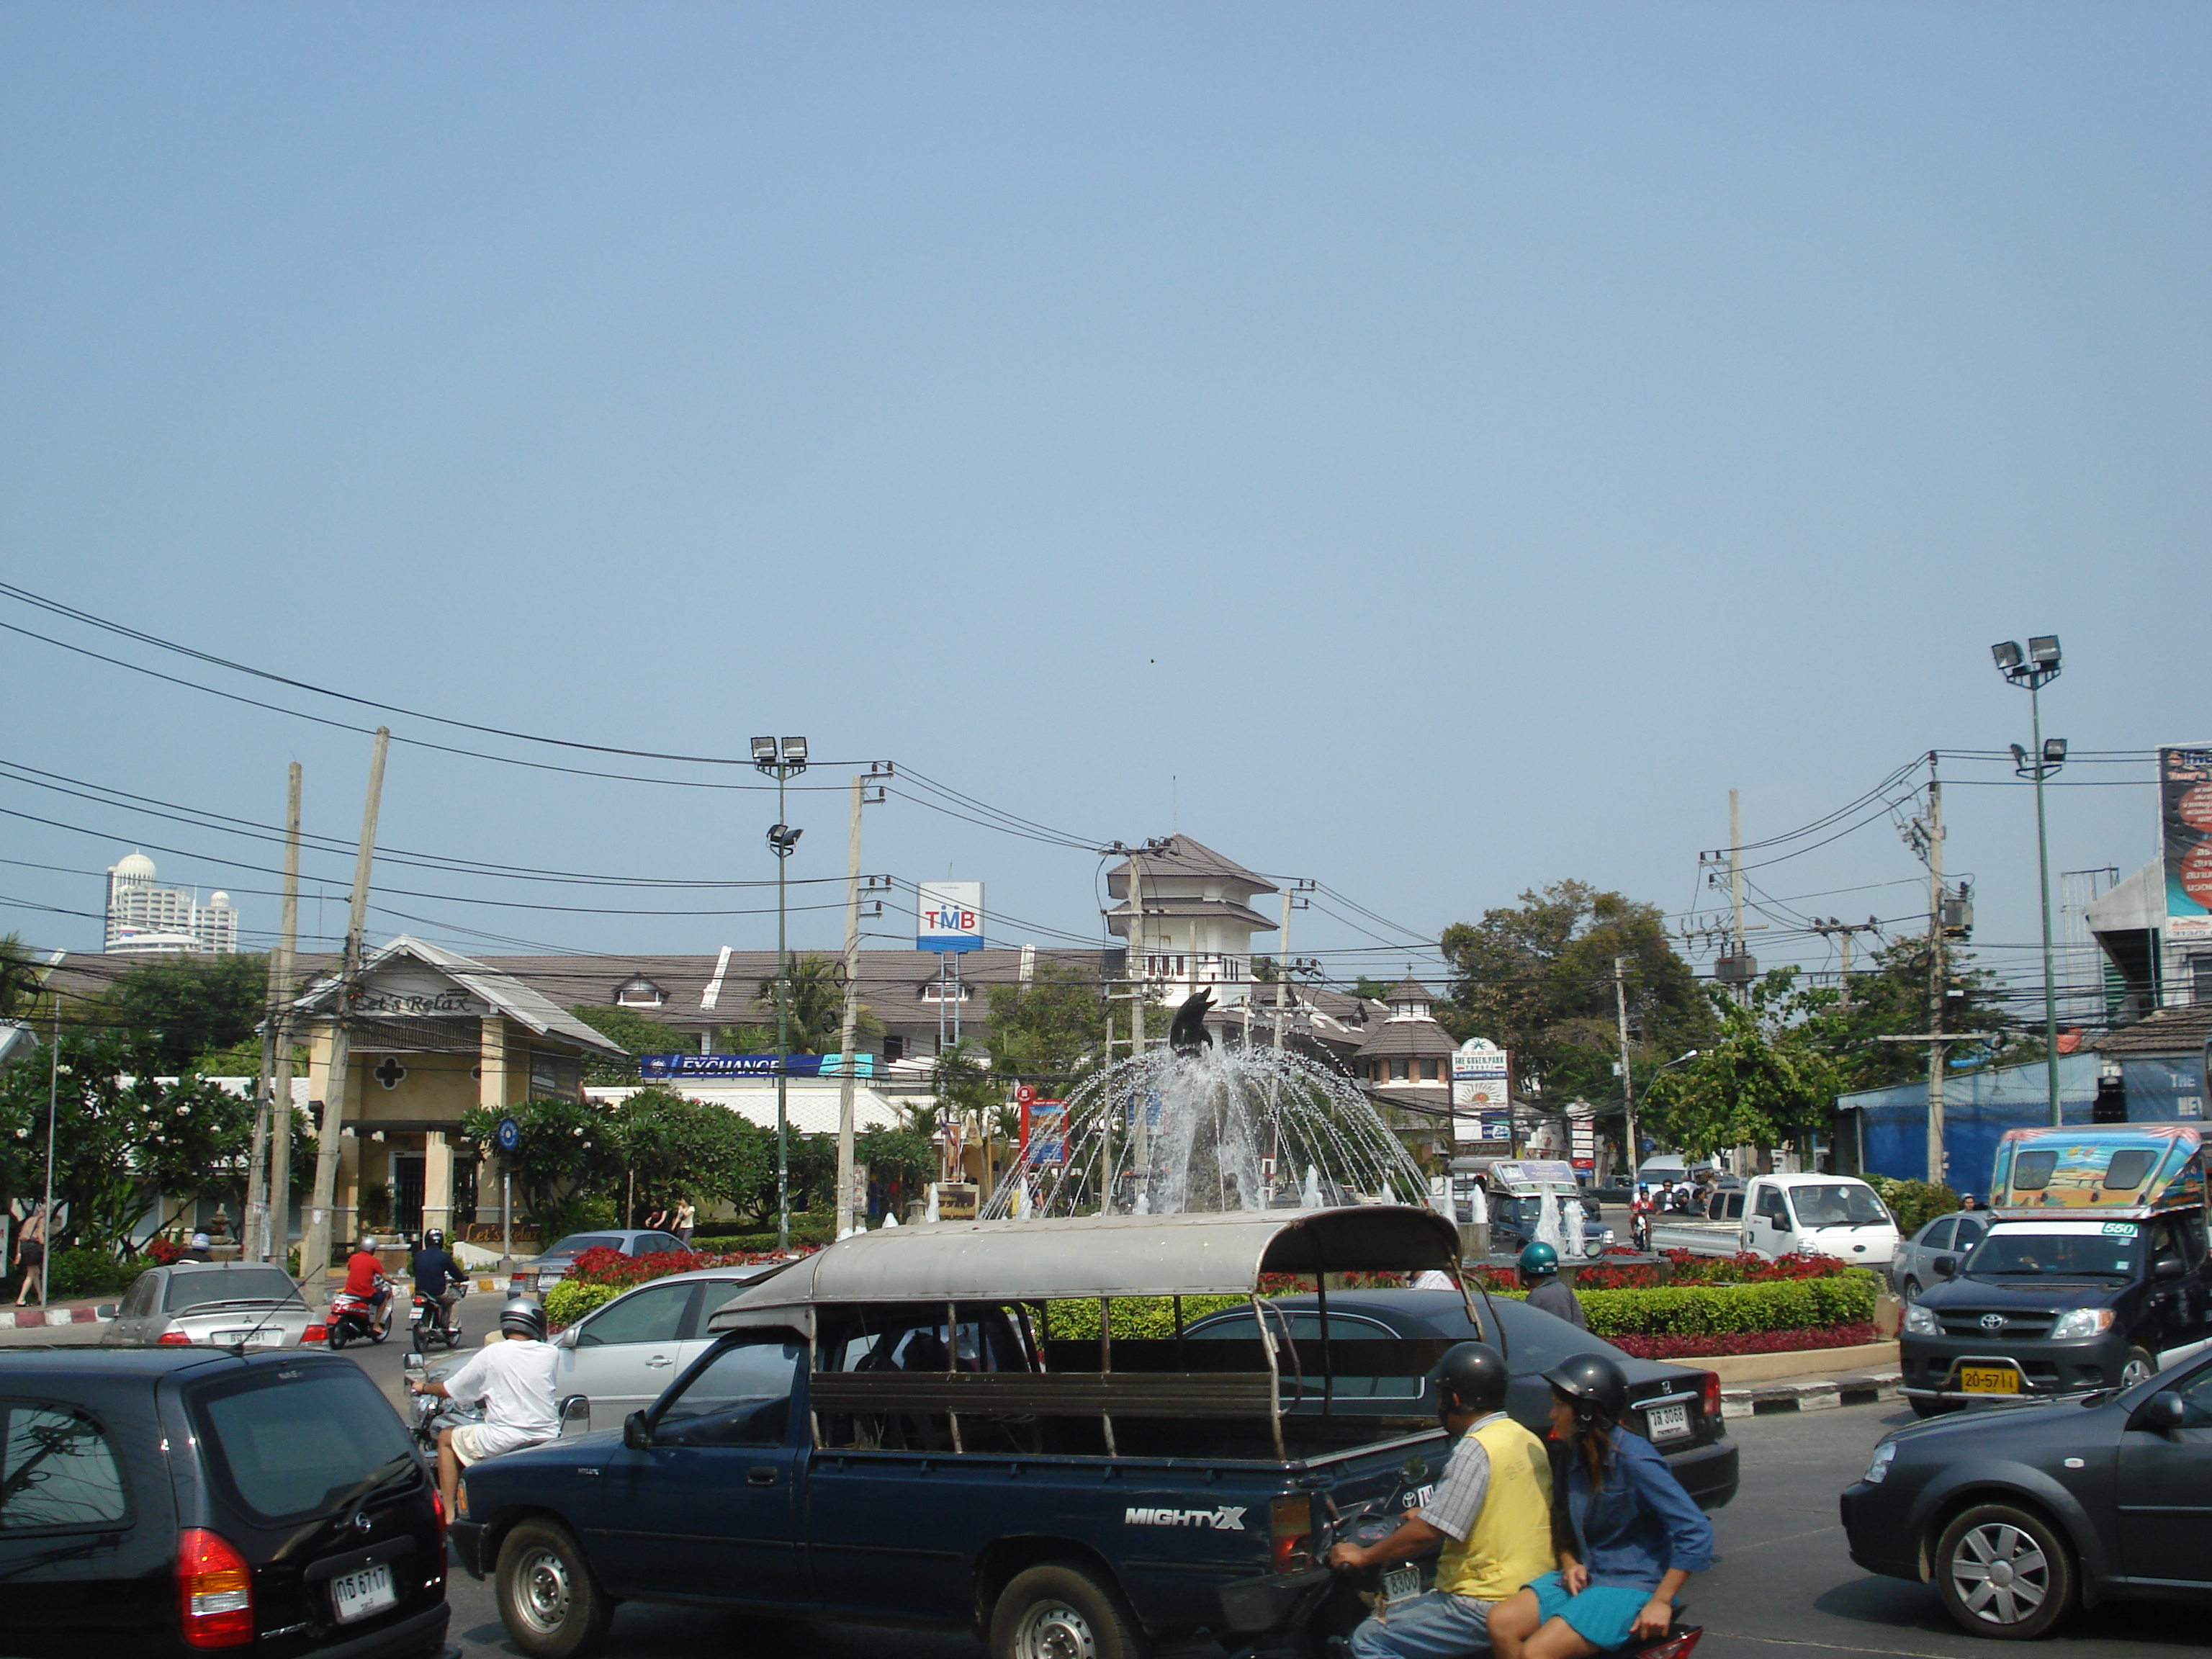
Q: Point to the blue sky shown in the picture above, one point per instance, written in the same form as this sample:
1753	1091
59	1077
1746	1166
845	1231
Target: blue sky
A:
1433	449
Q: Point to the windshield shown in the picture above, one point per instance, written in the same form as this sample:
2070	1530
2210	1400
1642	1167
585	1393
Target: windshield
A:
258	1286
577	1244
2107	1250
290	1442
1838	1206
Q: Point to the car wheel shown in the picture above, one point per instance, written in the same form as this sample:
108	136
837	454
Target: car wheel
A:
2137	1367
1058	1611
1911	1292
548	1600
1925	1408
2004	1571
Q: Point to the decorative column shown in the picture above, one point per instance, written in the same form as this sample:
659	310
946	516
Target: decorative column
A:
438	1183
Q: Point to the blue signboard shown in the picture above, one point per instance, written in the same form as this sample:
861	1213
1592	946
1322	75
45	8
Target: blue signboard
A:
509	1135
659	1066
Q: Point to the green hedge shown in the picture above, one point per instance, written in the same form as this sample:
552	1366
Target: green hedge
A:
1134	1316
569	1302
84	1271
726	1236
1718	1310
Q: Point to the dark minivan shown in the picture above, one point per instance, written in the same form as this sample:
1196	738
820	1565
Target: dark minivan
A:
166	1501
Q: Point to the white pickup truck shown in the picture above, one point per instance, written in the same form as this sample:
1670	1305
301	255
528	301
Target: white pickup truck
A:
1786	1215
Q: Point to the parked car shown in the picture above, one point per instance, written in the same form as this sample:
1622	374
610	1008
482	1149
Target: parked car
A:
1913	1269
1676	1408
622	1357
548	1268
163	1502
212	1303
1513	1223
2018	1517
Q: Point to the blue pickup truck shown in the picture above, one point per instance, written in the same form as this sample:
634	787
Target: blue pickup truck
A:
892	1431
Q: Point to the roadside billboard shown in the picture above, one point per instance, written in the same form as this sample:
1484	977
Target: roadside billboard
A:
1481	1073
950	916
2184	795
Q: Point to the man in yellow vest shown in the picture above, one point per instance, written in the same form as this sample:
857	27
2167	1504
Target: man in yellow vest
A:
1492	1512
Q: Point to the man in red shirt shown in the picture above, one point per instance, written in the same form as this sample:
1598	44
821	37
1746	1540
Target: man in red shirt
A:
365	1279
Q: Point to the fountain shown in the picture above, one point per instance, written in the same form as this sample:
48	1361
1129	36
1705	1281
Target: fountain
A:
1198	1127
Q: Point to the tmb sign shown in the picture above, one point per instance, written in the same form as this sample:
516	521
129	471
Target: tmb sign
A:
951	917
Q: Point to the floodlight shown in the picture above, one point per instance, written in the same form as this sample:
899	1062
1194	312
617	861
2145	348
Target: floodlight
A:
2007	656
2020	757
794	750
2054	750
2043	650
764	748
781	838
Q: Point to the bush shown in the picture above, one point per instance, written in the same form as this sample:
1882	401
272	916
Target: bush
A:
1845	1298
569	1302
1705	1347
87	1272
1134	1316
605	1267
743	1235
1914	1203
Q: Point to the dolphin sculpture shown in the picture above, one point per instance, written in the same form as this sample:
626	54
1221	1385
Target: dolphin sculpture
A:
1188	1033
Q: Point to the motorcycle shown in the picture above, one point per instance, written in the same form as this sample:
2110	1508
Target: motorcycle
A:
355	1317
429	1320
428	1413
1639	1230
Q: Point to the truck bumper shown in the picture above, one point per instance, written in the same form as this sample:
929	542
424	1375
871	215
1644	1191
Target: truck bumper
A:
2048	1370
466	1538
1254	1607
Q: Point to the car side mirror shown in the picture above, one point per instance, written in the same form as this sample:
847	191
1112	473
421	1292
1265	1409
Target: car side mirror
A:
568	1338
105	1310
637	1435
2169	1267
1944	1266
2160	1414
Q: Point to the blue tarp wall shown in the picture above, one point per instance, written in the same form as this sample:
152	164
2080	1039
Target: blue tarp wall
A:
1978	1107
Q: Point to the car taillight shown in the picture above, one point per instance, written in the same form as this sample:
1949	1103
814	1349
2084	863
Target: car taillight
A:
1679	1646
173	1340
215	1590
437	1504
1289	1529
1712	1404
314	1334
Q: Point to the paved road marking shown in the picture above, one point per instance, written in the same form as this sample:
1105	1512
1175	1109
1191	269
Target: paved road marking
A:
1826	1647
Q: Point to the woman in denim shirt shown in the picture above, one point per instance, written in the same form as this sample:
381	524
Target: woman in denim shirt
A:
1628	1537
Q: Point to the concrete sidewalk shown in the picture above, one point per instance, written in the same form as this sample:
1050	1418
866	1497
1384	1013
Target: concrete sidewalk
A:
1809	1393
13	1318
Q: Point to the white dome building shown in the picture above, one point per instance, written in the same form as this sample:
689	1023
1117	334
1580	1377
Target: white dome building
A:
144	920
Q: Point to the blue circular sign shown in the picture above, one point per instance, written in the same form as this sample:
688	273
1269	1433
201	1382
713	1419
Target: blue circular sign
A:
510	1134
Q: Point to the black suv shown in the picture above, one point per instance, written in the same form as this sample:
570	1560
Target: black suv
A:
169	1501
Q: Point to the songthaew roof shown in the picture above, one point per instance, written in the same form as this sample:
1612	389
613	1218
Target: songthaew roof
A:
1207	1255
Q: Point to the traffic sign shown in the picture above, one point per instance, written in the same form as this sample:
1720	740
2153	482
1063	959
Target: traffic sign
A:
509	1136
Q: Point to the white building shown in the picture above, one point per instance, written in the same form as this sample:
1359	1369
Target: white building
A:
1191	921
144	920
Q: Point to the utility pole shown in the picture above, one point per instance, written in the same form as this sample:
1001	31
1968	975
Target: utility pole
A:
1935	974
848	1028
272	1121
782	762
315	1238
1627	1083
1833	929
1142	1128
1737	948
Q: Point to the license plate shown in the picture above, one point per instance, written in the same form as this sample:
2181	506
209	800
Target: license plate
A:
360	1594
1988	1379
1402	1583
267	1337
1669	1422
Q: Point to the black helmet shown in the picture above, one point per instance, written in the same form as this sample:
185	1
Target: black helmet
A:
1595	1385
523	1317
1474	1374
434	1239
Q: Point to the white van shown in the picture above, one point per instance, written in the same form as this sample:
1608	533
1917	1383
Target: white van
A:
1661	1167
1819	1215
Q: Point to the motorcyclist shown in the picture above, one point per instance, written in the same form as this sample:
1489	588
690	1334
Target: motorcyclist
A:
439	1279
365	1280
1539	1273
513	1379
1627	1536
1490	1513
1639	1217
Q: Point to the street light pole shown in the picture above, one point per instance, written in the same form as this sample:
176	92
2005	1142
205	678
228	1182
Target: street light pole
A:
782	765
2040	668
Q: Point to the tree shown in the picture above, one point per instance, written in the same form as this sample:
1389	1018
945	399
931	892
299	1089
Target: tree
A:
1373	990
672	1148
1770	1074
635	1032
1050	1028
815	1005
21	977
185	1005
1893	1000
1538	980
570	1151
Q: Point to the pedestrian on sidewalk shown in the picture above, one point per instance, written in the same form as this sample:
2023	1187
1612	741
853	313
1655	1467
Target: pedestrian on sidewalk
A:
31	1257
686	1214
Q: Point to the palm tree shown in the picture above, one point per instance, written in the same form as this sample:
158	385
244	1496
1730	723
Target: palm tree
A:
20	978
816	1009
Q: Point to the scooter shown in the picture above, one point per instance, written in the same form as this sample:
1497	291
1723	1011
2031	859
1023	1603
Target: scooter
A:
352	1318
429	1320
428	1414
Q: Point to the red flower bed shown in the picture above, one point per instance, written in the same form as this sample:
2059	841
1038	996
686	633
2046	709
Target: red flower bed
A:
1702	1347
163	1249
602	1265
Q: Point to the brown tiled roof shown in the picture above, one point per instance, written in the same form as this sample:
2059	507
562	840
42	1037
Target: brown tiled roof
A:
1388	1039
1409	989
2169	1031
1194	907
1183	857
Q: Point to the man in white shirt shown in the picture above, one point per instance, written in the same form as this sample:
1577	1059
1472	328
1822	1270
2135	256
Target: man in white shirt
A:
514	1379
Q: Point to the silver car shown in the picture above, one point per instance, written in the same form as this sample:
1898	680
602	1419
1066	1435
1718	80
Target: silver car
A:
620	1357
221	1304
543	1271
1952	1235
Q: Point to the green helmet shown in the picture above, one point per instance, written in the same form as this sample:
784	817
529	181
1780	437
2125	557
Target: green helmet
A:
1539	1261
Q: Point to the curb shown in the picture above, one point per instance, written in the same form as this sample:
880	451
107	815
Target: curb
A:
1815	1395
33	1319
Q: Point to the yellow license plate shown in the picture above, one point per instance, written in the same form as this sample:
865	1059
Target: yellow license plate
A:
1988	1379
